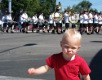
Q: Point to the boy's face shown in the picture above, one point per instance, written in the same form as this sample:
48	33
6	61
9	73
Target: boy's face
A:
70	46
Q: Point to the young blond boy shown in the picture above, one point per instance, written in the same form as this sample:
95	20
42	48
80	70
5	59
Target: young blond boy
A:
68	65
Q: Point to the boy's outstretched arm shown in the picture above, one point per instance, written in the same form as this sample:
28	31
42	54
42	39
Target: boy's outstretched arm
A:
86	77
40	70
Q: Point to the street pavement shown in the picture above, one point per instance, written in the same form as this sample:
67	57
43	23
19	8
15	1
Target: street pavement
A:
19	51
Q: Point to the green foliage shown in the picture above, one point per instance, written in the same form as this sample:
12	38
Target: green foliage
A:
83	5
31	6
42	6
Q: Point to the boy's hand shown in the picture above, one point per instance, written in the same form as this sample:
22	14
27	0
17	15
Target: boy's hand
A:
31	71
39	70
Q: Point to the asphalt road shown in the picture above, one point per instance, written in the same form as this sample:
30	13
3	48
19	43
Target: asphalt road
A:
19	51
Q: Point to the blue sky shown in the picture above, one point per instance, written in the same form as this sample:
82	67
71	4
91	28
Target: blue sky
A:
97	4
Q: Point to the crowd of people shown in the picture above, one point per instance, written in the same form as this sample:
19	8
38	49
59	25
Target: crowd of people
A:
87	22
90	22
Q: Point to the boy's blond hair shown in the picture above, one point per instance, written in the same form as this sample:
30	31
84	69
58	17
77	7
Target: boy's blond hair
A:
72	33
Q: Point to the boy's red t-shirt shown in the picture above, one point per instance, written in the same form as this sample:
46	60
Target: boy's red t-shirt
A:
67	70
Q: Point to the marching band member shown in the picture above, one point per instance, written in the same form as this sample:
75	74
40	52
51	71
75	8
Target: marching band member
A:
7	22
58	19
10	22
66	19
90	25
46	23
95	25
51	23
41	22
24	22
81	28
86	21
35	23
73	19
1	25
4	20
100	22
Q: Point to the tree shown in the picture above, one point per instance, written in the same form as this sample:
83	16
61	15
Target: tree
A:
31	6
47	7
83	5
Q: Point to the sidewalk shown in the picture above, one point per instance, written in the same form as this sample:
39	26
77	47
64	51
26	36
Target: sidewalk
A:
16	78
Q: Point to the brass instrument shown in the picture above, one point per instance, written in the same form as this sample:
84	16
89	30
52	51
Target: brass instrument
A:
57	16
73	18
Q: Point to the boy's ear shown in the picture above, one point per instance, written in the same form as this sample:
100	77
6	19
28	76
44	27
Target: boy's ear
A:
79	47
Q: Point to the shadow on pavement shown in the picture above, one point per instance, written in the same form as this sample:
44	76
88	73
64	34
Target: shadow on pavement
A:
30	44
97	41
25	45
96	66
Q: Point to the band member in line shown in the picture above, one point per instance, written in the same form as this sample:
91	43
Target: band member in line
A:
100	22
46	23
58	19
41	22
8	22
4	20
24	22
35	23
1	25
81	19
66	19
73	19
51	23
95	22
86	21
90	25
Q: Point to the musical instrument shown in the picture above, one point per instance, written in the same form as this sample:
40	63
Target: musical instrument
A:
57	16
12	22
58	7
74	18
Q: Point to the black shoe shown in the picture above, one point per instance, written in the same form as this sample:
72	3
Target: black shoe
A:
32	31
12	32
53	31
81	33
37	31
88	33
97	32
26	32
7	31
92	32
23	31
